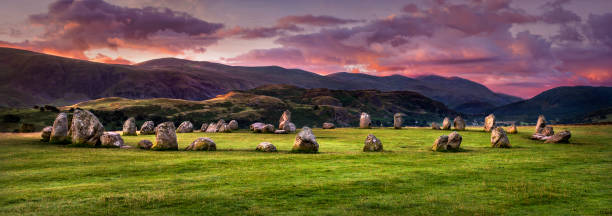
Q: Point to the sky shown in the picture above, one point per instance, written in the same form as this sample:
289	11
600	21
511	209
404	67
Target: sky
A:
516	47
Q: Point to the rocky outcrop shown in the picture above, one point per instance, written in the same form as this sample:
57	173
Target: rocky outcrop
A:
147	128
45	135
129	127
398	120
440	144
185	127
59	132
202	144
233	124
145	144
435	126
499	139
85	129
111	140
165	137
489	123
305	141
265	147
372	144
459	123
328	125
365	121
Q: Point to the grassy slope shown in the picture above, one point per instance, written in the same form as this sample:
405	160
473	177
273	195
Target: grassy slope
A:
532	178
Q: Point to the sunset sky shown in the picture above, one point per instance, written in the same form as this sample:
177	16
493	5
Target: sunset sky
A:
519	47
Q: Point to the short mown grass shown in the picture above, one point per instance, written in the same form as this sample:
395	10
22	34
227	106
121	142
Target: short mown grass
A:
406	179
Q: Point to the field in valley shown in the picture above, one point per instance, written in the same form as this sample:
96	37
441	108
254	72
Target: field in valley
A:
406	179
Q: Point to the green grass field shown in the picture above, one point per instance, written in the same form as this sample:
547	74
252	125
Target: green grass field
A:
406	179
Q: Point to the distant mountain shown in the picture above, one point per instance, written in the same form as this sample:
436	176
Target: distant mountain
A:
30	78
562	104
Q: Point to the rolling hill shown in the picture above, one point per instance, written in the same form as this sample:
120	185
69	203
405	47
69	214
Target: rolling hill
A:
30	78
562	105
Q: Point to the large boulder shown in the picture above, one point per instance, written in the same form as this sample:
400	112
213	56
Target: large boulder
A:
372	144
305	141
512	129
454	141
256	125
233	124
540	124
397	120
204	127
263	128
59	132
489	122
85	129
328	125
265	147
111	140
147	128
440	144
202	144
499	139
446	124
561	137
547	131
365	121
46	134
165	137
129	127
459	123
212	128
145	144
289	127
435	126
284	119
185	127
225	128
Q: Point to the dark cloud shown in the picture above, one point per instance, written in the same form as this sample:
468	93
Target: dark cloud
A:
73	26
283	26
314	20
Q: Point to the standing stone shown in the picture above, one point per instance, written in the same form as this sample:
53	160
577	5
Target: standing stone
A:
397	120
499	139
129	127
547	131
328	125
305	141
372	144
165	137
459	123
212	128
204	127
365	121
561	137
256	125
513	129
284	119
489	122
219	124
446	124
145	144
265	147
59	132
454	141
540	124
268	128
147	128
111	140
440	144
85	129
233	124
290	127
435	126
185	127
46	134
202	144
225	128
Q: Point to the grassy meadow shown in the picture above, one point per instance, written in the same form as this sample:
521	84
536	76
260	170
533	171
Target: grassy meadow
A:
406	179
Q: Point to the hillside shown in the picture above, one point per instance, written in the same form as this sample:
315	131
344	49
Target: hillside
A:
309	107
30	78
562	104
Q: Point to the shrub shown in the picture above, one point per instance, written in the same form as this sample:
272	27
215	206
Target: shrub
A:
10	118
